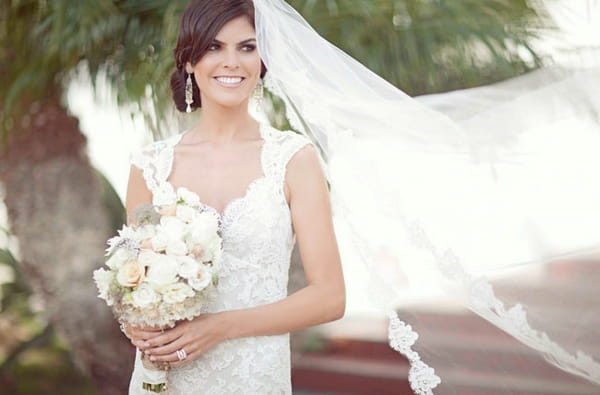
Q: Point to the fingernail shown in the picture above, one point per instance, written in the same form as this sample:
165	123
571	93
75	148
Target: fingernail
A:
147	352
153	358
146	344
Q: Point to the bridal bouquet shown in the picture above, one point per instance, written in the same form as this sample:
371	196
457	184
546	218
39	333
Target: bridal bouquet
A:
162	269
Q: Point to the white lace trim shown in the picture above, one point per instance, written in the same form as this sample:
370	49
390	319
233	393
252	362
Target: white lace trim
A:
483	301
421	377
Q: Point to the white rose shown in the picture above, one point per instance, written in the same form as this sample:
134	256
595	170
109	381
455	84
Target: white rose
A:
204	228
176	293
202	279
212	250
159	242
197	251
172	227
131	273
188	267
118	258
163	270
217	256
186	213
103	279
144	296
147	257
188	196
176	247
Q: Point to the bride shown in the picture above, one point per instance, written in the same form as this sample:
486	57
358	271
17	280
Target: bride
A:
267	188
426	201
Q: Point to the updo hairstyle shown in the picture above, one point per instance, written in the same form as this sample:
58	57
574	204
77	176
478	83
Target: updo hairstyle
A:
200	24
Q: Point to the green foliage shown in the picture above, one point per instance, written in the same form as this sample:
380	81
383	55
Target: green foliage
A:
42	42
427	46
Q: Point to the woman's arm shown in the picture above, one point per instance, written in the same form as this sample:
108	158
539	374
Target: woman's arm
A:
322	300
137	192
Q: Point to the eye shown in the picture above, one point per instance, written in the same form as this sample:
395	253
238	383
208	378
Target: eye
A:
213	47
248	47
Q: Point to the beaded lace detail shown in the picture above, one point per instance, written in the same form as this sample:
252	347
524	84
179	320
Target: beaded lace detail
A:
257	243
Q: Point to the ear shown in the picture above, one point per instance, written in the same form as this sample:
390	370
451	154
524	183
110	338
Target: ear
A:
188	68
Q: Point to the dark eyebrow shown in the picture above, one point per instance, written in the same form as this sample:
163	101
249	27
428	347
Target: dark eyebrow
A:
240	43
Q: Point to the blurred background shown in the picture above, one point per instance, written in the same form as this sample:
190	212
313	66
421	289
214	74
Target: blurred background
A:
84	83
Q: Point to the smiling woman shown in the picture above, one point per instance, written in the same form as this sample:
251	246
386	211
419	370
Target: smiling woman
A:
204	45
267	190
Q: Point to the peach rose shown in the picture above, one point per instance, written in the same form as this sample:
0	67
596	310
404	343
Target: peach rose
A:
131	273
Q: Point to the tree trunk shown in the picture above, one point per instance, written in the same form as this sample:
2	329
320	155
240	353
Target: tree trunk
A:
56	209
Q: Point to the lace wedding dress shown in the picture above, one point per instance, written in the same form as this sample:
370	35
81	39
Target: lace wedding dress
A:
257	241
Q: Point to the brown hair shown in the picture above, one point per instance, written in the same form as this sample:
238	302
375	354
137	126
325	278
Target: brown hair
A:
200	24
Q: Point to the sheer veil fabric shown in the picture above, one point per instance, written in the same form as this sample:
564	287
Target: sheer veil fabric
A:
485	197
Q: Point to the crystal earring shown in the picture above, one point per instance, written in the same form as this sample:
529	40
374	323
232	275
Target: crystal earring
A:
258	94
189	93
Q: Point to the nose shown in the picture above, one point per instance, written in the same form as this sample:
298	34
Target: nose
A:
231	60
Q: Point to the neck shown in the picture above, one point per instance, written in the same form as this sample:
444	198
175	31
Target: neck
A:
222	125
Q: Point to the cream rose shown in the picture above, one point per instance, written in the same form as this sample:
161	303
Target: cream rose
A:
198	252
186	213
204	228
202	279
131	273
147	257
159	242
188	267
176	293
173	227
144	296
176	247
163	270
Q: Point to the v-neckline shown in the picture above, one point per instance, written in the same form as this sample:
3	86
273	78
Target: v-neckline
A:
232	202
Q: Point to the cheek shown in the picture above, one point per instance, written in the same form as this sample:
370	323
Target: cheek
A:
204	69
253	65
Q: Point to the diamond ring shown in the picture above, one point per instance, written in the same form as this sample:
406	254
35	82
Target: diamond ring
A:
181	354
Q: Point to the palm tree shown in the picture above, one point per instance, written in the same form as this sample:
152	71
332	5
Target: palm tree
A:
57	203
55	200
437	45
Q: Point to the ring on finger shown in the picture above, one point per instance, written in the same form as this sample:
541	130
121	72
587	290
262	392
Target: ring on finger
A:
181	354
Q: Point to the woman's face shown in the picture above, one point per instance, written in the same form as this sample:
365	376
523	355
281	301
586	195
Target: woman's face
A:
229	71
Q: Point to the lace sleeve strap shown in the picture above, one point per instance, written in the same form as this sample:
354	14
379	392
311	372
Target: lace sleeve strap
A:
291	144
155	161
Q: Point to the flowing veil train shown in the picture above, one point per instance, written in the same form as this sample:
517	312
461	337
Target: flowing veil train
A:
489	197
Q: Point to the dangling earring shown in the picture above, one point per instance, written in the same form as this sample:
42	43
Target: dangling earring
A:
258	94
189	93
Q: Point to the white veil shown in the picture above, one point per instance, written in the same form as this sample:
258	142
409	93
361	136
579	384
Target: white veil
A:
485	200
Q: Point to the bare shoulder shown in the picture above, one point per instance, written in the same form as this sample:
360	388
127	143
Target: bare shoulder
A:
305	158
304	175
304	161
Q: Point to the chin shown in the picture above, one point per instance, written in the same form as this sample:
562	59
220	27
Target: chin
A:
232	103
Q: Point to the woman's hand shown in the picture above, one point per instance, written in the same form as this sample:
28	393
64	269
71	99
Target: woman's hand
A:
194	337
139	336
